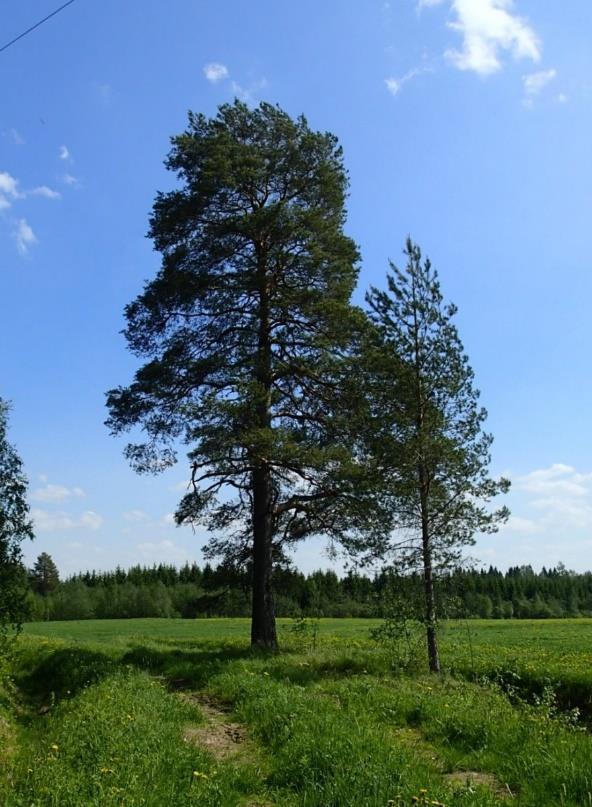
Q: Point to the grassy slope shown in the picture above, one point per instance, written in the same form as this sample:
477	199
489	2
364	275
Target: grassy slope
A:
333	726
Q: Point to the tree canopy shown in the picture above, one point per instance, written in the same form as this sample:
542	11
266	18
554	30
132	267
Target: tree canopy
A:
44	575
247	335
431	428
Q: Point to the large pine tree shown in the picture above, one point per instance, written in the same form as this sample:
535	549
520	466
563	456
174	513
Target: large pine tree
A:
246	332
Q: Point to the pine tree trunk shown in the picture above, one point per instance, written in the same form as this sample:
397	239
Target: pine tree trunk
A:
263	632
430	605
428	572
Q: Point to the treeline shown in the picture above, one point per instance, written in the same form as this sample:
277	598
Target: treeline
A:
192	591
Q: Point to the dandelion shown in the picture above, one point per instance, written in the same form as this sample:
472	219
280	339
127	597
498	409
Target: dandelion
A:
55	747
199	775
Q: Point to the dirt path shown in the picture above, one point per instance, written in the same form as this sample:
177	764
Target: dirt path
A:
222	737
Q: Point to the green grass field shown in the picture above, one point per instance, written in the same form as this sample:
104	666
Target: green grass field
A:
178	712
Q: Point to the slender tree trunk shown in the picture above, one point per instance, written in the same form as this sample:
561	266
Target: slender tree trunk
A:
263	632
428	586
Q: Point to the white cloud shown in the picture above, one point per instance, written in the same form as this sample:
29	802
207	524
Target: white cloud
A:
551	519
64	153
135	516
428	4
8	184
166	550
55	493
214	72
534	83
248	94
24	236
521	525
562	98
394	84
9	190
489	27
559	498
557	480
168	519
68	179
46	521
15	136
45	192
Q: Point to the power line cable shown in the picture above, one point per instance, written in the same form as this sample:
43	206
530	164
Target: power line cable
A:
37	24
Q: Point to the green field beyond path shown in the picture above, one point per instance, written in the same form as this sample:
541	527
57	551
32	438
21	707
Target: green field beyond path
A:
179	712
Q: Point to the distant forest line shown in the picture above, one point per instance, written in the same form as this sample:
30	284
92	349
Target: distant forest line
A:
193	592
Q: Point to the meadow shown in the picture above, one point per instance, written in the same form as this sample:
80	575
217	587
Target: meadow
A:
182	712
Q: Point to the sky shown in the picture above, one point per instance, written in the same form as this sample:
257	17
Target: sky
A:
465	124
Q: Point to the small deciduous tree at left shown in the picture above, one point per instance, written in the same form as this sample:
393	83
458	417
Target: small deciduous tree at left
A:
15	527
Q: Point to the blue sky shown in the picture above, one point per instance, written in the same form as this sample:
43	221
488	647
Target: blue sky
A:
465	123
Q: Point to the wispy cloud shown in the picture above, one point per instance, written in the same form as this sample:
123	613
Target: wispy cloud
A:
559	498
24	236
558	479
55	493
69	179
248	94
135	516
15	136
519	524
428	4
64	153
45	192
394	85
166	550
488	29
46	521
215	72
534	84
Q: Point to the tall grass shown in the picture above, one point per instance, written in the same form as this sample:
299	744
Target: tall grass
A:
331	726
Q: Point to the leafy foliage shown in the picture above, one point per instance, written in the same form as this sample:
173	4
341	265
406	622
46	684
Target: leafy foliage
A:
15	527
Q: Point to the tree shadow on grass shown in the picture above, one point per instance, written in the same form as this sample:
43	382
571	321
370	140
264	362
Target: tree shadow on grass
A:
189	668
64	672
